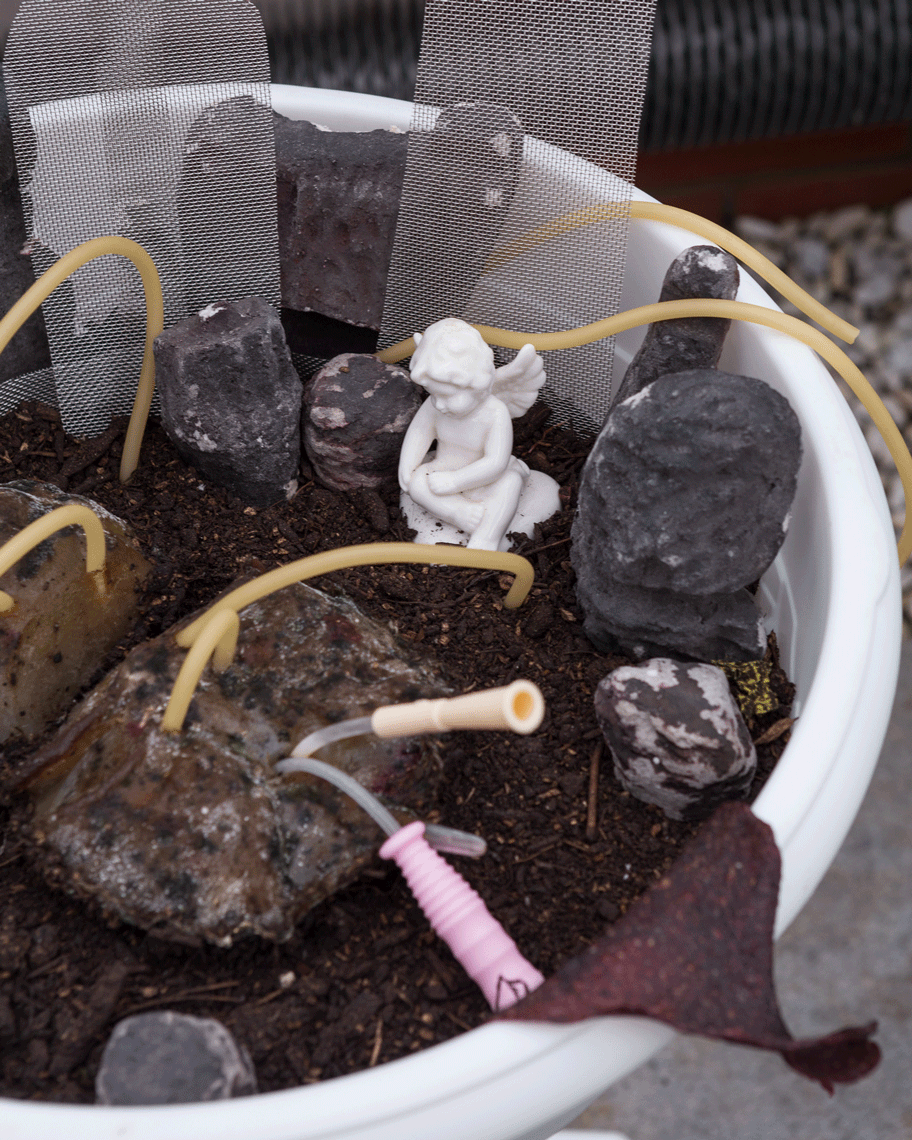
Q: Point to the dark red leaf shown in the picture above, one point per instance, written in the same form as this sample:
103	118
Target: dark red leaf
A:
696	951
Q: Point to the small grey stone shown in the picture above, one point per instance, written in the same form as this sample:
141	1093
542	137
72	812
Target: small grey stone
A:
338	201
757	229
646	623
231	399
899	357
880	286
689	485
812	257
689	342
676	735
902	220
355	414
845	222
171	1058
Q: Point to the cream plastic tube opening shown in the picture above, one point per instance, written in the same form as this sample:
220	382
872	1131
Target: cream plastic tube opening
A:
519	707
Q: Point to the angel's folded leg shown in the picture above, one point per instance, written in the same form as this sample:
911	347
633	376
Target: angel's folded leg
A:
499	508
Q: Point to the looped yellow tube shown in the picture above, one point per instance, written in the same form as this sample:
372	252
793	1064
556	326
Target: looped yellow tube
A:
218	640
733	310
29	537
369	554
56	275
217	629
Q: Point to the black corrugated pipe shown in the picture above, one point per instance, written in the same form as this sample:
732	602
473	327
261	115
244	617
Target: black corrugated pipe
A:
720	70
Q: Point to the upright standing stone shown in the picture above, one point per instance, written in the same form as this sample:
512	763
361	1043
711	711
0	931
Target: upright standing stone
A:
684	501
231	399
466	171
688	342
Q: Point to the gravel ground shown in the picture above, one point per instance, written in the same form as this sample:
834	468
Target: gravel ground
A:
858	262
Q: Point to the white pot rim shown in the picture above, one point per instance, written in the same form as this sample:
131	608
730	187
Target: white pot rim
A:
514	1081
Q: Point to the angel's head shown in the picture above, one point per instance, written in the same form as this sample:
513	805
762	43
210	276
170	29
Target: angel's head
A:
454	364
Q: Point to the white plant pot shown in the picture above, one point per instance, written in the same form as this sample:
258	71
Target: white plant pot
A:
833	598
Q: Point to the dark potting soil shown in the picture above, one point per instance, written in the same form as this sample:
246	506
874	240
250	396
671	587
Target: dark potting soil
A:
364	980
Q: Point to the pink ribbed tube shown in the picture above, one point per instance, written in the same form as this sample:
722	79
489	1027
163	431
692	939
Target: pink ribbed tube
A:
462	920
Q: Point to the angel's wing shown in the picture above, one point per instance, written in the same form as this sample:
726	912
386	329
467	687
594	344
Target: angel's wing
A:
517	384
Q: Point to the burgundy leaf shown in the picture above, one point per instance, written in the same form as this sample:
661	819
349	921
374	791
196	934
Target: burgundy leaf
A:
696	951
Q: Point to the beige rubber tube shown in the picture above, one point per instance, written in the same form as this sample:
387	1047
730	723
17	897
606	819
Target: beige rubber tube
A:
519	707
215	632
56	275
370	554
733	310
685	220
218	640
29	537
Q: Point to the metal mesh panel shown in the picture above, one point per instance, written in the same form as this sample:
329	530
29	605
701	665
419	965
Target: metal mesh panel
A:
150	120
511	101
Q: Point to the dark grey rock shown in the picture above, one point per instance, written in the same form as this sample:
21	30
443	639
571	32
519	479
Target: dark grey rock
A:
338	201
231	399
689	485
646	623
676	735
28	350
228	174
171	1058
8	171
690	342
460	182
355	414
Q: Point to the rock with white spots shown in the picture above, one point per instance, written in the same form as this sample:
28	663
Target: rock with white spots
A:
688	342
676	735
355	414
231	399
172	1058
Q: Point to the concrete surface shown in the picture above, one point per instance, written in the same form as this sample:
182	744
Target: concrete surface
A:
846	959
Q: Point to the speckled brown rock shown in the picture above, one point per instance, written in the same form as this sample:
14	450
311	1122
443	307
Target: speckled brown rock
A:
193	834
355	414
61	629
338	198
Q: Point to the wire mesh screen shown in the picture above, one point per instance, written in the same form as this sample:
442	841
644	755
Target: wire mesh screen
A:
150	120
506	219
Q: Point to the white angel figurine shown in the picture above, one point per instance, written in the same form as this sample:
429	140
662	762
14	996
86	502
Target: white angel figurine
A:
472	482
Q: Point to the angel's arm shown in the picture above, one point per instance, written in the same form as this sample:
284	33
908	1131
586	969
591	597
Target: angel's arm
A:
419	436
517	384
497	447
